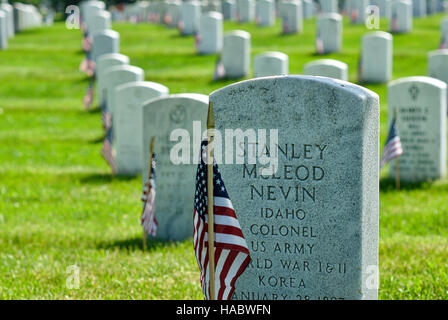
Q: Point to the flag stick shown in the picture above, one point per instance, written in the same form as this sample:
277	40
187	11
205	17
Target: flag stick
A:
397	165
210	213
151	152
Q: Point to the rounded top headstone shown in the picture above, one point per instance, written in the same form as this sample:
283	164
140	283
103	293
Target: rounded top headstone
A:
422	79
381	34
238	33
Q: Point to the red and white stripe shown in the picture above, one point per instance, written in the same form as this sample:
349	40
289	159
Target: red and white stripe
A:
391	151
231	252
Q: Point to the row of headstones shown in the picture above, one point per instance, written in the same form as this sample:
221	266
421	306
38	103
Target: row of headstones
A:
15	19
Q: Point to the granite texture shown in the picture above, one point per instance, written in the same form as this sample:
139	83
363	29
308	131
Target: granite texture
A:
420	104
311	227
175	183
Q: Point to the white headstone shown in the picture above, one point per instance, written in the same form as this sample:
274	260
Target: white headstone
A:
265	13
236	53
357	10
376	57
128	122
271	63
383	6
106	61
3	31
190	13
175	182
99	22
438	64
308	9
328	6
106	41
245	10
311	226
210	33
401	16
9	18
291	14
420	105
419	8
172	14
117	75
229	9
327	68
329	33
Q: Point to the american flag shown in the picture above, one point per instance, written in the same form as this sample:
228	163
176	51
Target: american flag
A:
148	220
180	26
86	42
167	19
88	65
88	98
393	148
319	43
107	151
220	72
231	252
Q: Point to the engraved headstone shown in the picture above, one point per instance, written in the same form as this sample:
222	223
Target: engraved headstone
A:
190	13
291	14
128	123
311	226
376	57
327	68
236	54
329	33
265	13
210	33
420	105
400	16
175	181
104	62
245	10
272	63
106	41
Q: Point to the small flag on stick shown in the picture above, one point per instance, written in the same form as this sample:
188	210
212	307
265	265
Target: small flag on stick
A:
107	151
217	235
393	148
148	219
220	72
319	43
88	98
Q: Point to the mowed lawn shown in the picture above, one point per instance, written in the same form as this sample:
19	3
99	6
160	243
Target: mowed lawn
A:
60	208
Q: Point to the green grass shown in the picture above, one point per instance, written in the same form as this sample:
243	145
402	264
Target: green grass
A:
59	205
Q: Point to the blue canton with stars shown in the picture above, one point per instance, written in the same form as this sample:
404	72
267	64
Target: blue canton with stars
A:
219	190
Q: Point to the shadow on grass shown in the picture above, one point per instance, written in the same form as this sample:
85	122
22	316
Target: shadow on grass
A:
96	109
103	178
98	140
134	244
388	185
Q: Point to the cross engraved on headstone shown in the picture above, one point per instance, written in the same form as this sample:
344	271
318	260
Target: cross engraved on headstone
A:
414	91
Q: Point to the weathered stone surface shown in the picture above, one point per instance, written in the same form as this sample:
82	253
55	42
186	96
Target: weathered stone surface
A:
175	183
420	105
312	226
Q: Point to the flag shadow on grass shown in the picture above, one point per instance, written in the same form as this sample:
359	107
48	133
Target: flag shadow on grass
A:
388	185
104	178
134	244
